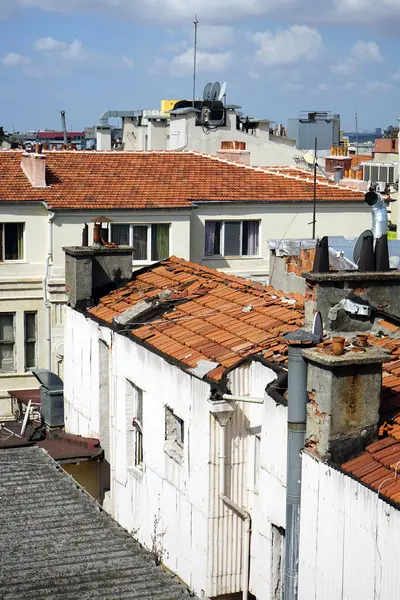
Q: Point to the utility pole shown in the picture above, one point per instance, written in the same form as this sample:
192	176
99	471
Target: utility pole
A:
195	23
314	221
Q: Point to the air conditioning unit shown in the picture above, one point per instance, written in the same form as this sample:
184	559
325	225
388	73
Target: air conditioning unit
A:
380	172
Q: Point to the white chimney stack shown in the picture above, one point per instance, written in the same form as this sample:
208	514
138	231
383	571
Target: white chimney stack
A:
33	165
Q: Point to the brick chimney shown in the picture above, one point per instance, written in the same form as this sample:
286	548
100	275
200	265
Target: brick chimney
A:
234	152
33	165
345	390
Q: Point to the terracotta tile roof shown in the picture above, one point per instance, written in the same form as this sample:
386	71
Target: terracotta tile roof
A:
136	180
206	315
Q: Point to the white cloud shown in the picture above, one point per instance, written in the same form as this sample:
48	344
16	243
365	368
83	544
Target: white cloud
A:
361	53
215	36
332	12
127	62
378	86
74	51
366	52
15	60
49	44
207	62
296	44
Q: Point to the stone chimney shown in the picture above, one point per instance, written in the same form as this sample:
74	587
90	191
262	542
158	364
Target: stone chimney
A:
345	390
33	165
91	272
234	152
350	300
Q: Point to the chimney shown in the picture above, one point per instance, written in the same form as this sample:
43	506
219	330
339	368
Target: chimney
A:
103	137
343	412
92	272
235	152
33	165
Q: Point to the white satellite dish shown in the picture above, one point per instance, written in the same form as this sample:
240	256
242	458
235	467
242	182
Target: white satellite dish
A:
309	158
222	91
318	328
215	90
394	261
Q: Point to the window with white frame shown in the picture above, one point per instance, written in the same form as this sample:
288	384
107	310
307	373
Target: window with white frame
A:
11	241
30	326
232	238
134	434
7	342
174	435
150	242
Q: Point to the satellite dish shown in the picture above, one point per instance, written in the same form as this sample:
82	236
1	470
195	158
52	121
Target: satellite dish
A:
358	245
318	328
215	90
222	91
207	91
394	262
309	158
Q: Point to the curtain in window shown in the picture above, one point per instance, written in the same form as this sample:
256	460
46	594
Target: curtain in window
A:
120	235
6	343
210	238
159	241
252	237
139	242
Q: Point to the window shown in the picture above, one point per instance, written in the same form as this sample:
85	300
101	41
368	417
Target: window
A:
11	241
7	342
134	411
30	340
232	238
150	242
174	435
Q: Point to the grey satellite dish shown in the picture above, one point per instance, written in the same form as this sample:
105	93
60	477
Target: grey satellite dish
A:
222	91
215	90
318	328
358	245
207	91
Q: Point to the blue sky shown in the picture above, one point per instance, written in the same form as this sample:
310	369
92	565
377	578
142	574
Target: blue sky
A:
278	57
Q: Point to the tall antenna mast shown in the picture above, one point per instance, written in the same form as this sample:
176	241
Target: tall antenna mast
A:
356	115
195	23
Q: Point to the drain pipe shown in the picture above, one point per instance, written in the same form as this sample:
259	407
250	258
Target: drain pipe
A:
223	414
46	297
297	416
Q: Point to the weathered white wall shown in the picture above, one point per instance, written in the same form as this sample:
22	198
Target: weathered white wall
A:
277	221
349	538
165	504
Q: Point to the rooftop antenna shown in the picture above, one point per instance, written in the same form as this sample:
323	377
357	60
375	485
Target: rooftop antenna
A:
356	115
195	23
312	160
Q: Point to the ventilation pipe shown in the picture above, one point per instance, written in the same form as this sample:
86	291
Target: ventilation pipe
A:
297	417
378	212
46	295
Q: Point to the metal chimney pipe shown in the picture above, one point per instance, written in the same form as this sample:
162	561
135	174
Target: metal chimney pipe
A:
378	212
297	417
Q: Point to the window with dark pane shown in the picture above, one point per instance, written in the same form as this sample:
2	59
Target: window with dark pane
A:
159	241
12	241
232	238
120	234
30	340
139	242
7	342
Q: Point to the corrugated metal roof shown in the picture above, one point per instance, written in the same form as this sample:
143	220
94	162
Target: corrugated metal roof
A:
55	542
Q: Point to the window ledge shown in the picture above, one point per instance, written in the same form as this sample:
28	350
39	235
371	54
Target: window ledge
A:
174	451
137	472
220	257
13	262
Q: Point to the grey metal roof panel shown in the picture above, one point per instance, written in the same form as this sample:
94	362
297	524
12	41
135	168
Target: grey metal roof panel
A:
56	542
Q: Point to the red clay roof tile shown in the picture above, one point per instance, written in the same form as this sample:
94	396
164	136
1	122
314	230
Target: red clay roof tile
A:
137	180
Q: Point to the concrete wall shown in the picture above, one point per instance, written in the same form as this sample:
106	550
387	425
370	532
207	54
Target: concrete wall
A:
277	221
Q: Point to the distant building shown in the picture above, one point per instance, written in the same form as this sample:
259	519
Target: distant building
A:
321	125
